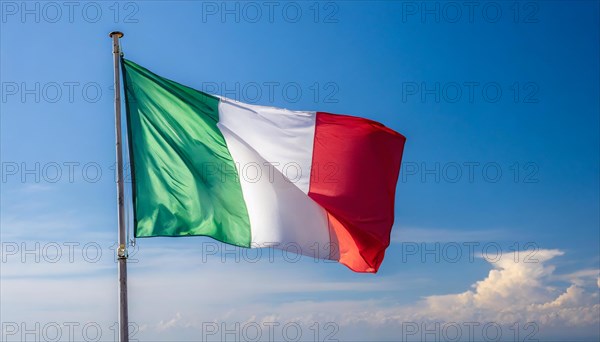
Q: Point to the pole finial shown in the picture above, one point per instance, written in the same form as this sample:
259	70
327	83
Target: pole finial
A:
119	34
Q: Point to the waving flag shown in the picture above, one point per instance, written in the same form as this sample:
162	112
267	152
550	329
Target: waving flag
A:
314	183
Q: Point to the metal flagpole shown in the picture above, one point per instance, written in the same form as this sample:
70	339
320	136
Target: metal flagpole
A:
122	249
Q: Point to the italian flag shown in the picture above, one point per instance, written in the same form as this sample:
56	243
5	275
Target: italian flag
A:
313	183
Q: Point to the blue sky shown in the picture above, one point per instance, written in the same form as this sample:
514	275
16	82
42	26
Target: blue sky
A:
499	103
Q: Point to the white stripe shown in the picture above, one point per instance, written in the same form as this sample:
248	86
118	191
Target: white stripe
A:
280	214
283	137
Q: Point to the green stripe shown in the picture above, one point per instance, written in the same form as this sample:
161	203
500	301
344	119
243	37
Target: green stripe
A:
185	180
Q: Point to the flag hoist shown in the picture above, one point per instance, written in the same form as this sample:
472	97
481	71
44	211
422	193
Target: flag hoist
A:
122	240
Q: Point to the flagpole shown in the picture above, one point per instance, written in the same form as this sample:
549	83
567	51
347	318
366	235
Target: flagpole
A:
122	249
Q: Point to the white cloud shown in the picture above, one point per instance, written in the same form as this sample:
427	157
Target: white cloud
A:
581	277
518	291
162	325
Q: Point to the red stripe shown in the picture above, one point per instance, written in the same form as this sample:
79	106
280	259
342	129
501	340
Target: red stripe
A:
355	169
